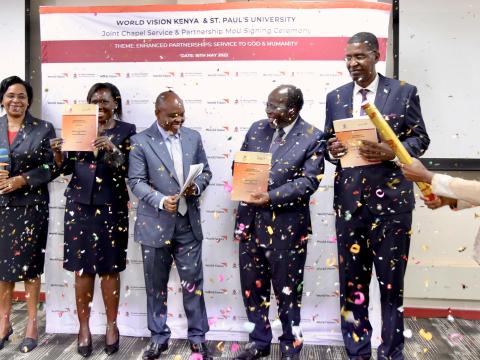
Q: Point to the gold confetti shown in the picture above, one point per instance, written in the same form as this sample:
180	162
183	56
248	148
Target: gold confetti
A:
425	334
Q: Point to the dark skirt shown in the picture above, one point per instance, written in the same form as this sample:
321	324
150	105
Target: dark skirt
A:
23	237
95	238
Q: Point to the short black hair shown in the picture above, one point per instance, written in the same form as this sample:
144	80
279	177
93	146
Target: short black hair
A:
366	38
12	80
113	91
294	96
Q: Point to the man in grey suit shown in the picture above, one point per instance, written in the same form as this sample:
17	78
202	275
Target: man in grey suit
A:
168	226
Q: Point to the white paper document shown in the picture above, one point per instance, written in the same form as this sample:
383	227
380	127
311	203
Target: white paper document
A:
195	170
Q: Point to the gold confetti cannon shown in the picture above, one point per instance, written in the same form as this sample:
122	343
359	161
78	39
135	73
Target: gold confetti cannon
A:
388	136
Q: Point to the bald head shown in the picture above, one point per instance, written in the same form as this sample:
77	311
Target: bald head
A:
169	111
283	105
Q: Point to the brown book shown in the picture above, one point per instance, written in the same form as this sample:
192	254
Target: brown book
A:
350	132
251	171
79	127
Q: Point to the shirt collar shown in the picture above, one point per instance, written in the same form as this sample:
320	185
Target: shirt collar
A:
165	134
373	86
289	127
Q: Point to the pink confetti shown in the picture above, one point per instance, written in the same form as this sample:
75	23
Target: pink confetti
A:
221	278
359	298
455	338
380	193
234	348
333	239
227	187
195	356
212	321
241	227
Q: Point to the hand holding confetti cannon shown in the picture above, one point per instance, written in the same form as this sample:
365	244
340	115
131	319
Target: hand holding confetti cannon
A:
387	135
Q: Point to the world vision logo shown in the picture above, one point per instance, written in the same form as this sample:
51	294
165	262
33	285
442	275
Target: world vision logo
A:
275	74
57	76
218	102
217	239
217	265
219	74
112	75
166	74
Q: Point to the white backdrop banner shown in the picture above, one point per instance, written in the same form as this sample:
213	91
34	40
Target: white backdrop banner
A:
223	60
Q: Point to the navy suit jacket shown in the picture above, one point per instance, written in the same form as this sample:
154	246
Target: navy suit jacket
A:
297	167
382	187
152	176
30	156
100	180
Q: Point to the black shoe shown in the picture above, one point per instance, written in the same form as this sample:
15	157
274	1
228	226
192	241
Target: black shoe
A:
154	351
202	349
252	353
112	348
291	356
5	338
85	350
27	345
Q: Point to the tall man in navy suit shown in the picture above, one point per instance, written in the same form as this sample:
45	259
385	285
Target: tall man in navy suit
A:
373	204
273	226
168	226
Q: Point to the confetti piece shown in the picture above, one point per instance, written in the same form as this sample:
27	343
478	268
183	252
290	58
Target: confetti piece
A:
380	193
277	323
248	326
234	347
221	278
195	356
462	249
450	318
407	333
270	230
455	338
220	346
425	334
286	290
355	337
355	249
359	298
227	187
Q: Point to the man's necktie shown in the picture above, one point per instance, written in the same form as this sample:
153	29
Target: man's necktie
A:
277	141
364	93
177	158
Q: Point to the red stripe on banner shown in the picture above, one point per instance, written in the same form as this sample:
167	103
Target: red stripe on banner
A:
224	6
426	313
205	49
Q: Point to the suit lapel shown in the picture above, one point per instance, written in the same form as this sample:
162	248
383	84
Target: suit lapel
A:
160	149
265	140
383	91
25	129
4	133
344	101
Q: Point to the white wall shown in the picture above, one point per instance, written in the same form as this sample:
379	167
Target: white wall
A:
12	30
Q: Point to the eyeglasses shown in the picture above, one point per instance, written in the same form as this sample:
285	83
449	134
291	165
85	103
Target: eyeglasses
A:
19	97
274	107
358	57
